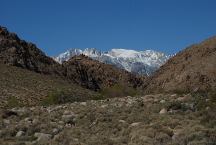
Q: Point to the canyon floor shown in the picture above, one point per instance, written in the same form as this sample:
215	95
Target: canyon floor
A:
160	119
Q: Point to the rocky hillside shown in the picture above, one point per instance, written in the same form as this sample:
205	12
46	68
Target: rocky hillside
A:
193	69
95	75
83	71
148	120
137	62
17	52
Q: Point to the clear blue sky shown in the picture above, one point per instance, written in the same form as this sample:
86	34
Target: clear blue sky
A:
164	25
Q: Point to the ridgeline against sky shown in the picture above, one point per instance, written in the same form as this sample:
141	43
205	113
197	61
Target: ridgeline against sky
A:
55	26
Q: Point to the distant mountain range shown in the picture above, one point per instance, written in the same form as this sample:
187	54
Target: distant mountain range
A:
138	62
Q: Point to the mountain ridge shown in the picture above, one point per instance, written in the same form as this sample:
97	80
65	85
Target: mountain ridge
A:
138	62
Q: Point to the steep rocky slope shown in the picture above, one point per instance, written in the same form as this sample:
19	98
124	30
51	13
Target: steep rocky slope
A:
96	75
193	69
17	52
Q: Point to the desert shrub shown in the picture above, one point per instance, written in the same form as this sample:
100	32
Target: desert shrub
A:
203	100
180	91
205	105
118	90
212	97
55	97
98	97
13	102
208	118
176	105
61	96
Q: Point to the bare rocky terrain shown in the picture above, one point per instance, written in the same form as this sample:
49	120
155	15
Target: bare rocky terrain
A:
172	119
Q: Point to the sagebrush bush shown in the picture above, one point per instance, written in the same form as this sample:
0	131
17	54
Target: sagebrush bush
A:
13	102
176	105
61	96
55	97
118	91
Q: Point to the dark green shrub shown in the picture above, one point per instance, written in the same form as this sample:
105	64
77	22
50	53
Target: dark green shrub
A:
13	102
98	97
176	105
55	97
199	100
118	91
181	92
208	118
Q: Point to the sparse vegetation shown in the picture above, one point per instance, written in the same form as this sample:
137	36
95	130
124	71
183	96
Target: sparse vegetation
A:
127	120
30	88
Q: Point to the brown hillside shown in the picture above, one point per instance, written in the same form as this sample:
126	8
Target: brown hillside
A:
193	69
23	87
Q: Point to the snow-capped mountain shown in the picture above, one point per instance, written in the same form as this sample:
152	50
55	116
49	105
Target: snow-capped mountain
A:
139	62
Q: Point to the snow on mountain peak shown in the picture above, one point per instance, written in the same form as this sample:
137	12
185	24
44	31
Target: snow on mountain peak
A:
140	62
124	53
91	52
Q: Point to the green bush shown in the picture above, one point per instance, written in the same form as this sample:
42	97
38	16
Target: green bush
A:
176	105
118	91
98	97
55	97
181	92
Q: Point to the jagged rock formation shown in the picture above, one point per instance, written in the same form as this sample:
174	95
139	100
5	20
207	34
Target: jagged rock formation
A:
193	69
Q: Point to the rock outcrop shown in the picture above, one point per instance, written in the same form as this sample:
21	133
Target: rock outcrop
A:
17	52
95	75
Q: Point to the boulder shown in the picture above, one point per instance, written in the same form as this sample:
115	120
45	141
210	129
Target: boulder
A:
163	111
135	124
162	101
68	119
42	138
20	133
